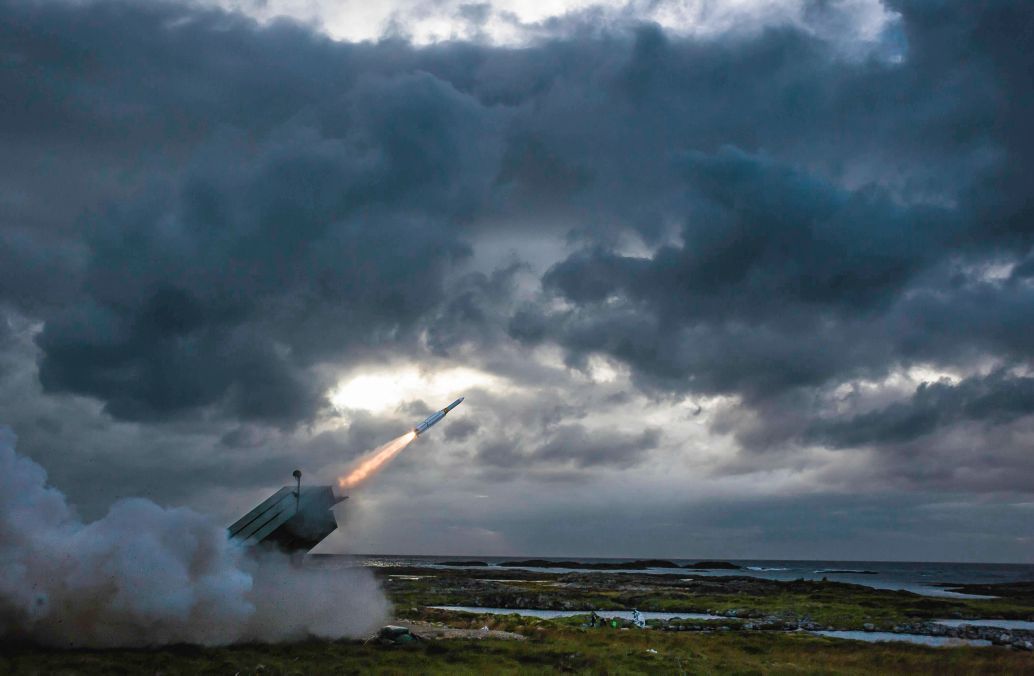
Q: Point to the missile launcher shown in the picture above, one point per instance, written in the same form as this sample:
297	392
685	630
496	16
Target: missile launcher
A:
294	519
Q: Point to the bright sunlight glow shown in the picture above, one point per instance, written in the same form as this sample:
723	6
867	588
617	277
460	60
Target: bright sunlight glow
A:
381	391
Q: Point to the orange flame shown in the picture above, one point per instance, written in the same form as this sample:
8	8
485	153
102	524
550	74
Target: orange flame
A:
375	460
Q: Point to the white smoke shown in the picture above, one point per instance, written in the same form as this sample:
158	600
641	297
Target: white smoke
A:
146	575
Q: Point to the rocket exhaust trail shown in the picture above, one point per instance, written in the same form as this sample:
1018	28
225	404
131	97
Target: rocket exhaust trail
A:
377	459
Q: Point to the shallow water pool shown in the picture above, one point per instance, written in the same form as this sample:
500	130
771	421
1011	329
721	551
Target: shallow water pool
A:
549	614
999	624
876	636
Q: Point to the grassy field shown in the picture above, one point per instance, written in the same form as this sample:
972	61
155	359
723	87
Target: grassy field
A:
834	604
565	645
550	647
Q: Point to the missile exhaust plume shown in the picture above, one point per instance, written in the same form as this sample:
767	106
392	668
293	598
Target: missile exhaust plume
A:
145	575
375	460
379	457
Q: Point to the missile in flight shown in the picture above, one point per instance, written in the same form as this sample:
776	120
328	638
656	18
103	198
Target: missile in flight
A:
433	419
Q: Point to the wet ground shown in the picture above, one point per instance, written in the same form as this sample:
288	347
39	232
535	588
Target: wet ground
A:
680	601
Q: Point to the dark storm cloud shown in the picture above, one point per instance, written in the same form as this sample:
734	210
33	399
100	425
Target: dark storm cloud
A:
461	430
572	444
473	311
957	314
774	271
299	230
799	267
994	399
203	212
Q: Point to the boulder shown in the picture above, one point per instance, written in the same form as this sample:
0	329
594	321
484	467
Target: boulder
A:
391	633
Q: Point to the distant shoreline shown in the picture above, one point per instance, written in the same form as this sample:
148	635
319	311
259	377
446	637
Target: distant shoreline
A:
951	580
839	564
636	564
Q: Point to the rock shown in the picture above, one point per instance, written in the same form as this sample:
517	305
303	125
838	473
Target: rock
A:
1024	645
869	626
393	634
392	631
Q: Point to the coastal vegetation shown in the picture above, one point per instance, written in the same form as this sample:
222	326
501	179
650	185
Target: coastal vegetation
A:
824	603
551	646
759	631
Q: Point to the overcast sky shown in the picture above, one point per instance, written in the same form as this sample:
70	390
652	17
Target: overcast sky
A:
745	279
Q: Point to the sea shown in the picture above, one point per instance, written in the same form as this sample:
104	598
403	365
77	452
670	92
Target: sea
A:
926	578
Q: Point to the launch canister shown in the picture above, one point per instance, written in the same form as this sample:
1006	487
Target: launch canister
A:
433	419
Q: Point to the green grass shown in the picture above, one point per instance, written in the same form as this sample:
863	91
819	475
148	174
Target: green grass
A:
844	607
833	604
562	644
550	647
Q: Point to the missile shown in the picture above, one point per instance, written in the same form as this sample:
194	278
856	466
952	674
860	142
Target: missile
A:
433	419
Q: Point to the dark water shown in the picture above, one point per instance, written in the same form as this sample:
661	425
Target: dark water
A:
549	614
918	577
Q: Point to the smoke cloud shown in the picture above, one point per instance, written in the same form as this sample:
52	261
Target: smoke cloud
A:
146	575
